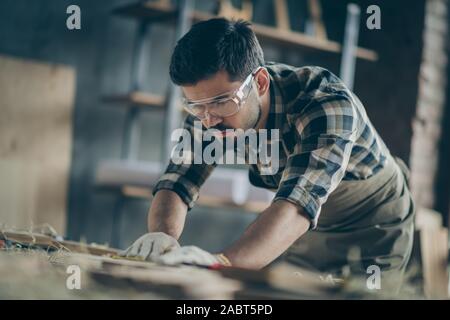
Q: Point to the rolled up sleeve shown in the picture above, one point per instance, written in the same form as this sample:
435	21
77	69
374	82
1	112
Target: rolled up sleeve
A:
326	135
185	179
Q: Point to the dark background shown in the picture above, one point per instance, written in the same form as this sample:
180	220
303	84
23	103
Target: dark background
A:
101	54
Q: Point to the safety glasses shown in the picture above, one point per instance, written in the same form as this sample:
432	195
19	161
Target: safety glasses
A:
224	105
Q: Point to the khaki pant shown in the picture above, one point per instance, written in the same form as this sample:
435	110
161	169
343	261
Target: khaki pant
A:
372	218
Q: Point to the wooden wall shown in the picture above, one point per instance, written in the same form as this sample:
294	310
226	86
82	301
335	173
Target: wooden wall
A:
36	102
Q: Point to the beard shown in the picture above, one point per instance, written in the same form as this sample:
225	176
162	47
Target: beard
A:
254	114
250	123
253	110
258	117
221	127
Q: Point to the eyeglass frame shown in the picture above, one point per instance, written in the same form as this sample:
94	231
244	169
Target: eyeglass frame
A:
237	96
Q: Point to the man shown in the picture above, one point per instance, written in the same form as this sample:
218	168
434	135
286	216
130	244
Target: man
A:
341	198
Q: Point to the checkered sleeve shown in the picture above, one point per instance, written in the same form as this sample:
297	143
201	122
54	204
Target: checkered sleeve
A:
187	177
326	134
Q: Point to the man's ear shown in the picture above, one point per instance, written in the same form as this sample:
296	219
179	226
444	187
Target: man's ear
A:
262	81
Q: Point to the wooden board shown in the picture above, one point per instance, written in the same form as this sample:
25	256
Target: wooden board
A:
207	201
36	101
155	10
295	40
176	282
434	251
136	98
33	239
283	38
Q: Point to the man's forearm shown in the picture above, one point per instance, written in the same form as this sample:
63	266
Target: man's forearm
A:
268	236
167	214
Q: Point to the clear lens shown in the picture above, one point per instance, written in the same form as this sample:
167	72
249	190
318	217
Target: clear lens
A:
224	108
198	110
221	109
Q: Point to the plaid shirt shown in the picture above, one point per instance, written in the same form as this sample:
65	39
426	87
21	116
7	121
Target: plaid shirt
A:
325	136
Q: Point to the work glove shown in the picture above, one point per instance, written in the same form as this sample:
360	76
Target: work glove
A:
192	255
150	246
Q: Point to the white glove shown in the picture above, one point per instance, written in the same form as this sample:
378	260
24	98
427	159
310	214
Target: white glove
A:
192	255
150	246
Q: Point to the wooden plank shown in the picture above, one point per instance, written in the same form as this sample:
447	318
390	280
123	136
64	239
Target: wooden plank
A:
47	242
434	253
137	98
284	280
228	10
428	219
93	249
286	38
27	238
35	142
176	282
282	15
315	10
151	10
184	281
208	201
292	39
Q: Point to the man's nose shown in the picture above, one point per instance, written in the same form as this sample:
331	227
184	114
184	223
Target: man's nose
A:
211	120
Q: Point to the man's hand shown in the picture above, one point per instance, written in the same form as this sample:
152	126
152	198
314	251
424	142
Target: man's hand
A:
150	246
192	255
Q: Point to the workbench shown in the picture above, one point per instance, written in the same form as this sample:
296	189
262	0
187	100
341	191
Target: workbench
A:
39	266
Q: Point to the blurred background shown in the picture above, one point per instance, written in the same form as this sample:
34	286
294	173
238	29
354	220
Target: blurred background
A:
85	113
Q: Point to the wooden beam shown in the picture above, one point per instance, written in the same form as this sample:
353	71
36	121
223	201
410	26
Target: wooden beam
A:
315	11
143	99
208	201
282	15
286	38
45	241
434	252
229	11
152	10
292	39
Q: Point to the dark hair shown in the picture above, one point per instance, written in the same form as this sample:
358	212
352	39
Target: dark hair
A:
214	45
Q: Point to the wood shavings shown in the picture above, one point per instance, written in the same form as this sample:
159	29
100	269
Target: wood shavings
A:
32	239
